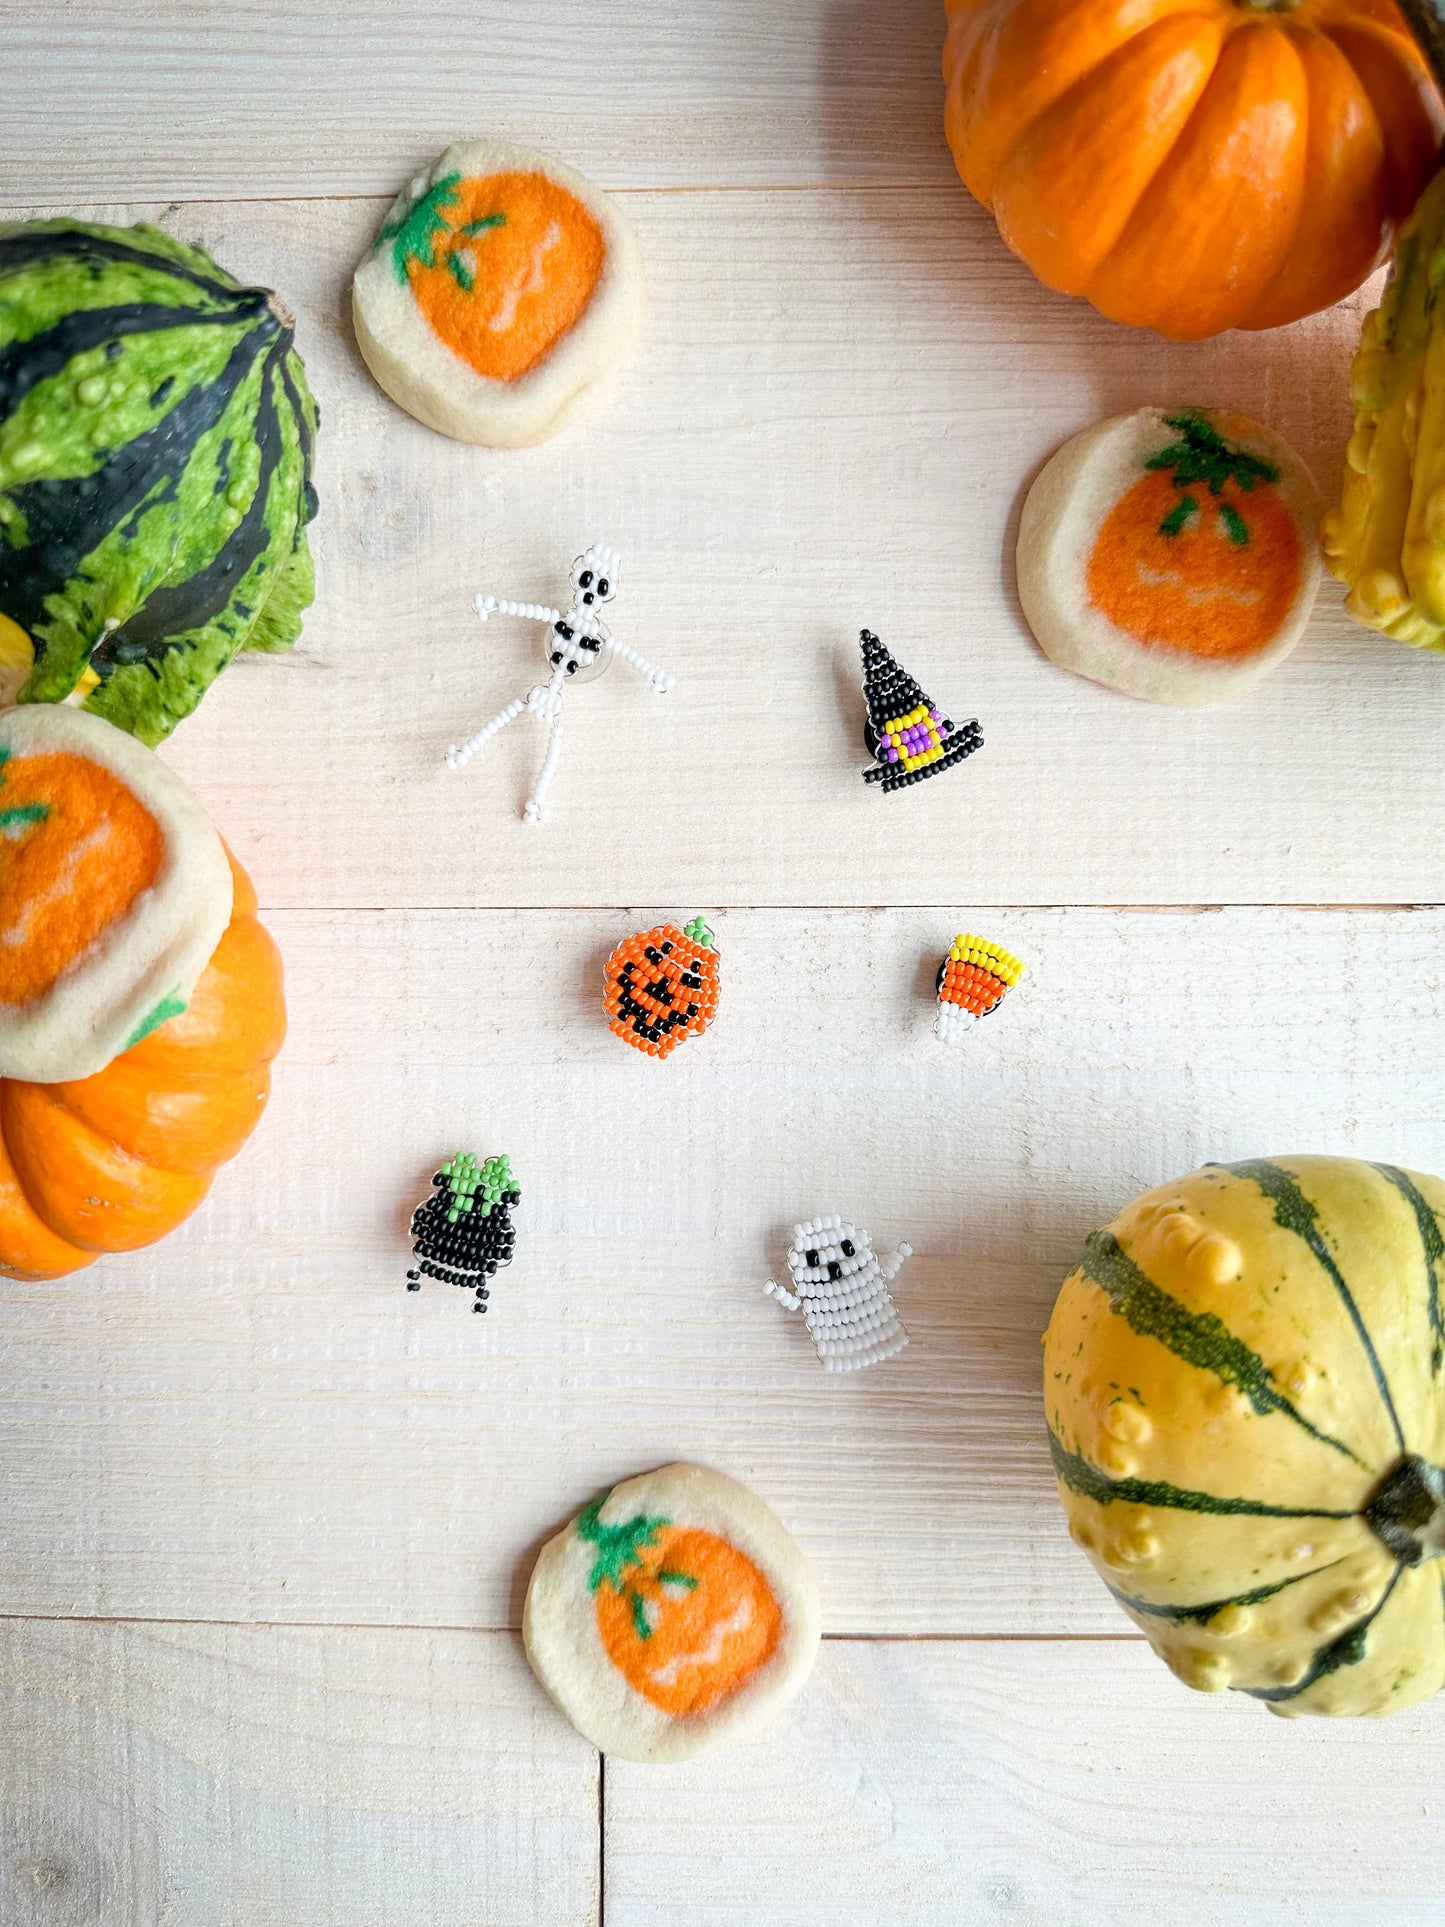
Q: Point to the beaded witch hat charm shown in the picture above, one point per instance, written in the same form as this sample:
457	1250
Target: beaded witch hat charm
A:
973	979
463	1231
905	733
661	986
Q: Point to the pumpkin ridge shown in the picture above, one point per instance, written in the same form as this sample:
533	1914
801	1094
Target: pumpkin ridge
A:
1347	1649
1200	1339
1294	1212
1126	52
1090	1482
1126	243
1181	1615
1434	1248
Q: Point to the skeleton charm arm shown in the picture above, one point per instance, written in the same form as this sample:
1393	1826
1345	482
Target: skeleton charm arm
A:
787	1299
490	605
660	680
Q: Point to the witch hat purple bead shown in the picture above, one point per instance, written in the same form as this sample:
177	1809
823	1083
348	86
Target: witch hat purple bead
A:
906	734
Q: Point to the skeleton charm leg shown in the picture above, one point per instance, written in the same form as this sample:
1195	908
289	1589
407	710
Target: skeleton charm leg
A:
459	755
546	703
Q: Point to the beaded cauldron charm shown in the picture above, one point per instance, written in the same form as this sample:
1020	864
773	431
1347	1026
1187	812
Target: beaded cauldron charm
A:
463	1231
905	733
661	986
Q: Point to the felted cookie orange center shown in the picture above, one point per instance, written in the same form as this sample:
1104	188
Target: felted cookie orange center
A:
1184	568
501	265
689	1619
76	850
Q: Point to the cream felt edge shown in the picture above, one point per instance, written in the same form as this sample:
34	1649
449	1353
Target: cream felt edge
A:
424	377
559	1621
1061	517
160	947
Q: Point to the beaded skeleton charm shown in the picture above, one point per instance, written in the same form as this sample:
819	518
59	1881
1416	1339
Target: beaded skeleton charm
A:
905	734
463	1231
661	986
973	979
578	639
841	1286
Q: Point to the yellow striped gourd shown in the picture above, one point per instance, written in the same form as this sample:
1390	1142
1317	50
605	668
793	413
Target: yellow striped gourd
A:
1245	1388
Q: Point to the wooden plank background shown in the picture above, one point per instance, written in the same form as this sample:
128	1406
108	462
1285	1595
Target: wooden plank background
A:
265	1519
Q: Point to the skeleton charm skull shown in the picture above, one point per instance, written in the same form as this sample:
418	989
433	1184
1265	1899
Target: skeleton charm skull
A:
578	638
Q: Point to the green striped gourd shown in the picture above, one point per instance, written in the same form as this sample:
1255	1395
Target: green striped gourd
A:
1245	1388
156	434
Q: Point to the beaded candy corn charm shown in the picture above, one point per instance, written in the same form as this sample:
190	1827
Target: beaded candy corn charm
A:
906	735
661	986
973	979
463	1231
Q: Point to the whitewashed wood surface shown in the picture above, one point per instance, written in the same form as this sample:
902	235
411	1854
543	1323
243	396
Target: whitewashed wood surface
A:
266	1519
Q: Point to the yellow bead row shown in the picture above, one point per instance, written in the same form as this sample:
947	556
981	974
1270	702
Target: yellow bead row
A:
987	956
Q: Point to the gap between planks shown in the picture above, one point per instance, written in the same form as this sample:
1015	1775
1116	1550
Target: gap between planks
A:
502	1632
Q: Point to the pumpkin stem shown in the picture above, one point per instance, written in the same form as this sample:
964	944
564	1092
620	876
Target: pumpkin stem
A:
618	1547
1407	1510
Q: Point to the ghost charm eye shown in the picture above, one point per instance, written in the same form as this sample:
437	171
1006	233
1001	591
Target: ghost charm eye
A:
578	640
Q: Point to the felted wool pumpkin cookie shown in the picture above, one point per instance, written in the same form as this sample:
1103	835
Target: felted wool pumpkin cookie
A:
114	893
673	1615
501	287
1170	555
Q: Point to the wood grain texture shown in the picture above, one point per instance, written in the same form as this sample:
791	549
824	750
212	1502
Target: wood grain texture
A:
1032	1785
200	97
840	400
255	1421
189	1776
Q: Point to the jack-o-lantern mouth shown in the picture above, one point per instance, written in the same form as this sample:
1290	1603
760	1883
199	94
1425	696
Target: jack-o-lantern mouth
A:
650	1009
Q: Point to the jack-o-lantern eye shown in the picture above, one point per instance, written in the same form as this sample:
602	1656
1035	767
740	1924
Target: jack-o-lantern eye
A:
660	987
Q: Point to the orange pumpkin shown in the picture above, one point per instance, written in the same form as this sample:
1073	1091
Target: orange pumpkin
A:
1226	164
116	1160
683	1615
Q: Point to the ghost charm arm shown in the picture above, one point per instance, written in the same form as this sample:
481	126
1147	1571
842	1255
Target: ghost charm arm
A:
890	1267
659	679
785	1298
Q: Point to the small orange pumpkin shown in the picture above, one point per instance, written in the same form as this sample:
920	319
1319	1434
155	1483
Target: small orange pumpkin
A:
683	1615
1229	164
116	1160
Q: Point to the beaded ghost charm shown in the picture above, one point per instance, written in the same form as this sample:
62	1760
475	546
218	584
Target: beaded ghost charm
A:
973	979
841	1287
905	733
463	1231
661	986
577	641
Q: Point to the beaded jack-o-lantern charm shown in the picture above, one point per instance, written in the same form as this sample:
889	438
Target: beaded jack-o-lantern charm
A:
662	986
973	979
463	1231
